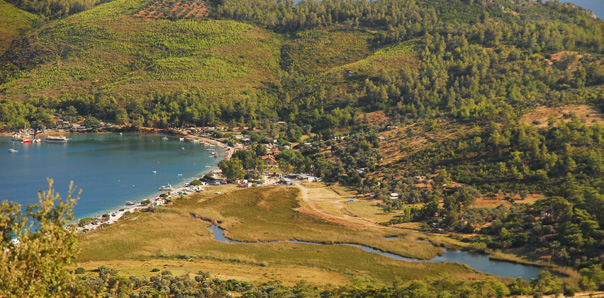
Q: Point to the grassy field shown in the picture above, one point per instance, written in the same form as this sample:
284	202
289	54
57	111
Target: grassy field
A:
13	22
175	238
269	215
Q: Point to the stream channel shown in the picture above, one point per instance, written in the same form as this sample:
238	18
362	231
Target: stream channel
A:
477	261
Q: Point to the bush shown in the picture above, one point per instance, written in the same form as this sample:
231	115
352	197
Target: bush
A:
80	270
155	270
84	221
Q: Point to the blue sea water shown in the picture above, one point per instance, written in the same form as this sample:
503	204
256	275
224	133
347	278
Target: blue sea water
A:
110	169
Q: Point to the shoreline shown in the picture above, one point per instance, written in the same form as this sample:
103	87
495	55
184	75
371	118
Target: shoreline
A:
117	213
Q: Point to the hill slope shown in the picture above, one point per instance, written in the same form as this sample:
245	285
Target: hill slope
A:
107	50
13	23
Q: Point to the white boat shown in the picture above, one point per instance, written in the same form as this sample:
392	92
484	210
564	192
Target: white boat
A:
165	138
130	203
11	150
163	187
154	172
181	139
56	139
38	140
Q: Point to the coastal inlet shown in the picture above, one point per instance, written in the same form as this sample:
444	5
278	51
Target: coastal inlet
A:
110	169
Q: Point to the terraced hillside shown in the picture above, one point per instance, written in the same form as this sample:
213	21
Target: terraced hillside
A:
175	10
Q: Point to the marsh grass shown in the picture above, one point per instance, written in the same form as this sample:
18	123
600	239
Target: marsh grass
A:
171	233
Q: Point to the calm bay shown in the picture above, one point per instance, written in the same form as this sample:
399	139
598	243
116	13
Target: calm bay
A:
111	169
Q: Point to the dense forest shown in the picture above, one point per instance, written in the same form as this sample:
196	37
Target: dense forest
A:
322	66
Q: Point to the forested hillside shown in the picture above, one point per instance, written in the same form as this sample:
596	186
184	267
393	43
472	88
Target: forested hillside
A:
450	80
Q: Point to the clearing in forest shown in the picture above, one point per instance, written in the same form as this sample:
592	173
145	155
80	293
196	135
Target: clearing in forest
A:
586	113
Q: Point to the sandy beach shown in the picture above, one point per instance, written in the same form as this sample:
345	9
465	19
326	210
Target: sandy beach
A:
115	215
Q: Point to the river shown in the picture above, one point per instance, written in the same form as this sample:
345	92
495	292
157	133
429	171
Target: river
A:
476	261
109	168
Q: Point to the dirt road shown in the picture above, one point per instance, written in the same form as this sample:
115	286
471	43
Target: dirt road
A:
313	198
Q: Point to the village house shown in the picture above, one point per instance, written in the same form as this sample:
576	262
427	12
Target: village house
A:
270	160
273	151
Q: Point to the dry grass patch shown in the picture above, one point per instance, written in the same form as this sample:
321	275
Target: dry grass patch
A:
492	202
586	113
398	142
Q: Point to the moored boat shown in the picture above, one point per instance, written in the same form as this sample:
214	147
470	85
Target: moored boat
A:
26	140
11	150
130	203
163	187
56	139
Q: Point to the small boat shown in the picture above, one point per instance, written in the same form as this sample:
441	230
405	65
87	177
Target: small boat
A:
130	203
215	154
181	139
11	150
163	187
183	148
208	167
165	138
121	134
154	172
27	140
56	139
38	140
